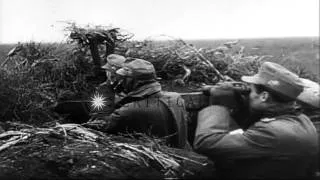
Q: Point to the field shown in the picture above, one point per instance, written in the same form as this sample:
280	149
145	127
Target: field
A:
4	49
304	51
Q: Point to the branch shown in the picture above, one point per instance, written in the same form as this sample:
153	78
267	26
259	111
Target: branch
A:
206	61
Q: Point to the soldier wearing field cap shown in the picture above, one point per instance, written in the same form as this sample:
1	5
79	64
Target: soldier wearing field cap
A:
114	62
110	88
146	108
278	142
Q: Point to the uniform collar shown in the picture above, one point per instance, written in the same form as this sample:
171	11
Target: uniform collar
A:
281	109
145	90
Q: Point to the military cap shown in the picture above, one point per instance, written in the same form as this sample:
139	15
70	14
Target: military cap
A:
278	79
114	62
310	94
138	68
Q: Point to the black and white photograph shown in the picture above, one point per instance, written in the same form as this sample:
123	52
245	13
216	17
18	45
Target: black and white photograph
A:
159	89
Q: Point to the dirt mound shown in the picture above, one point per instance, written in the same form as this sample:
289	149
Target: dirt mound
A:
70	151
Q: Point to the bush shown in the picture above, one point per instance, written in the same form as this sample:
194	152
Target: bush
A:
37	75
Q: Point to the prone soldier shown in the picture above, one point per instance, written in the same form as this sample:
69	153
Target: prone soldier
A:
276	141
111	89
145	108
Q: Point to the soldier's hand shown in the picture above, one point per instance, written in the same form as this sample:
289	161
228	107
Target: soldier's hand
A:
233	95
224	97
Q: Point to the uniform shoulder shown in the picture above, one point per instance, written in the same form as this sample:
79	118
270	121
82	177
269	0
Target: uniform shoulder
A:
106	83
171	96
267	120
282	117
169	93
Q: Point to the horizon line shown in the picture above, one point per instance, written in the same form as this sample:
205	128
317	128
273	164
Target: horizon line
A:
200	39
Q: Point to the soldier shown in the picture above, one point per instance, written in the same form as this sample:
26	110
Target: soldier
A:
279	141
146	108
110	89
79	112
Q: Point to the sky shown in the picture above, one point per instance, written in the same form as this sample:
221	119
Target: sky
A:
43	20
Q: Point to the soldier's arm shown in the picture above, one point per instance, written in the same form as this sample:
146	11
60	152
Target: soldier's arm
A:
218	136
110	123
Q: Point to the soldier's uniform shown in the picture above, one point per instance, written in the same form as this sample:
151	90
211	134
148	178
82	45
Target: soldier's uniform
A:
106	89
147	109
281	144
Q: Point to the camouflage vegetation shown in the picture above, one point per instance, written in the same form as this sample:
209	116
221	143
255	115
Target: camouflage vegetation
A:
35	77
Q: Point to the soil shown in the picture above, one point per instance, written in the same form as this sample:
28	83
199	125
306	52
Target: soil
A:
56	156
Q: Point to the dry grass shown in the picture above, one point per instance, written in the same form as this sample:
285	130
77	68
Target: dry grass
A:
35	77
74	148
